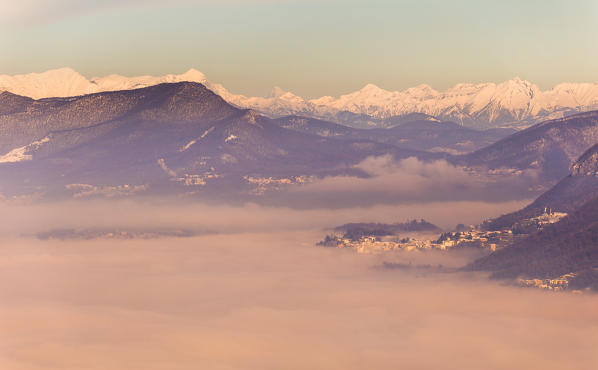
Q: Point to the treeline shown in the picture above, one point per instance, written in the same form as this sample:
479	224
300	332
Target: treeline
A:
356	231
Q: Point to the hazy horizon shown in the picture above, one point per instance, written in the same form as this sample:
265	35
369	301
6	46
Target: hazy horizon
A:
275	87
312	48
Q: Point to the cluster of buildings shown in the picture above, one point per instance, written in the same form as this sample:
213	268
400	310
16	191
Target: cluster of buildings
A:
263	184
533	224
88	190
465	239
196	180
88	234
372	244
555	285
491	240
549	217
468	238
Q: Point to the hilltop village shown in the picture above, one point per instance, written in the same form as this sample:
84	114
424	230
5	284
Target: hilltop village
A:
420	236
472	238
380	238
556	284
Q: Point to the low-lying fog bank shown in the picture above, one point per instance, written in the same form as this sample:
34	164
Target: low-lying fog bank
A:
254	292
270	300
169	213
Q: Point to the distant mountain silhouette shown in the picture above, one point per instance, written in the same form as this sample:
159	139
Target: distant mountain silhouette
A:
416	134
546	150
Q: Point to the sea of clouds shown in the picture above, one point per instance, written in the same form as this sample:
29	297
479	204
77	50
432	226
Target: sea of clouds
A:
254	292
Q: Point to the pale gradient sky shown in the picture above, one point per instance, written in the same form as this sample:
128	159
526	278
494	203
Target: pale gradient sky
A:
311	47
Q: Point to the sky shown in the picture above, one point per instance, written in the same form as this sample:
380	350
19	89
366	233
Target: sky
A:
310	47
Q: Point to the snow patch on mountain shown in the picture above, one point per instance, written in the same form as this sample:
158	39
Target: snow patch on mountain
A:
230	138
57	82
23	153
164	167
194	141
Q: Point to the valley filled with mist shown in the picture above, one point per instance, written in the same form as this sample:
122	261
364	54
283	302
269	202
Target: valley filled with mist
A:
249	289
161	226
267	185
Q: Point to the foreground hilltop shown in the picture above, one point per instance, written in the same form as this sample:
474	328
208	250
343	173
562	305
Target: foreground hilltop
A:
567	247
579	187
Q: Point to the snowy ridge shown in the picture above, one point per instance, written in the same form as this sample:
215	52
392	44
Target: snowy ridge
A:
516	101
22	153
194	141
66	82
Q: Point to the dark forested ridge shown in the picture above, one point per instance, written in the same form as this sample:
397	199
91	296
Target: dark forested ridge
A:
570	245
567	246
358	230
580	186
547	149
417	134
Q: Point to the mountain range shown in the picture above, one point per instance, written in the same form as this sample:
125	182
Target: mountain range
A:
183	138
178	137
515	103
411	132
546	150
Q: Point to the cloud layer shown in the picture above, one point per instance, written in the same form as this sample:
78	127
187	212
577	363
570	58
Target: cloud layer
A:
409	181
256	293
269	301
219	218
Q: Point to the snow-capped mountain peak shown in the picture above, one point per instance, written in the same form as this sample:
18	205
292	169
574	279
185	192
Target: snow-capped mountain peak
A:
371	89
421	90
276	92
513	102
56	82
193	75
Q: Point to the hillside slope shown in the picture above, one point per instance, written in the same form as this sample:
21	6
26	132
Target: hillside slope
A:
569	194
568	246
546	150
178	137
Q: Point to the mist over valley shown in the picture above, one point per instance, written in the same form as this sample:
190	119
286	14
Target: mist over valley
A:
331	184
